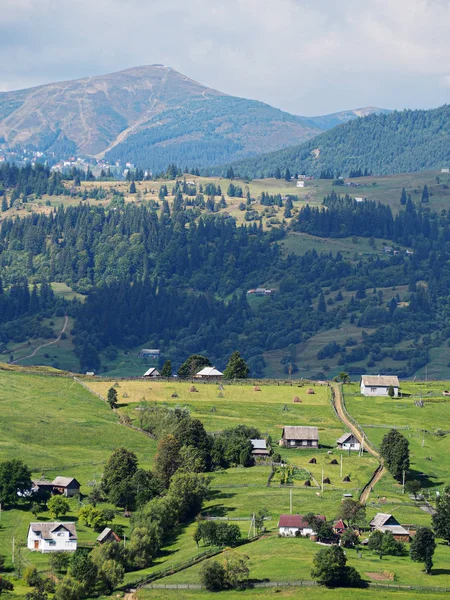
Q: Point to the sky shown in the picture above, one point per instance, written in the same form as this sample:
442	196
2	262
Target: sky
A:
308	57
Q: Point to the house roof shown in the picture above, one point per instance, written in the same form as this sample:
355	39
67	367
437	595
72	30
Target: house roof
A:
259	444
209	372
64	481
300	433
346	437
41	482
380	521
106	533
380	380
47	529
151	371
297	521
340	525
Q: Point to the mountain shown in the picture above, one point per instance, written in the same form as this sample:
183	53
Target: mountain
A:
326	122
406	141
148	115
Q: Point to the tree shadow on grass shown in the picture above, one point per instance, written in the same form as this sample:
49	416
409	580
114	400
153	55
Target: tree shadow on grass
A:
440	572
424	479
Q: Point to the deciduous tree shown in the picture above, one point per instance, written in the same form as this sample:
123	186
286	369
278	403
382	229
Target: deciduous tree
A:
422	548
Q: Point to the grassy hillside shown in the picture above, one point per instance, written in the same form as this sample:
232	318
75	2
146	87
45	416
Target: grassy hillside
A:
398	142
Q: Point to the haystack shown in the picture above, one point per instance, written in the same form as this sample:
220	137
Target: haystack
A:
310	391
327	480
296	399
193	389
346	479
174	395
220	395
256	388
307	483
313	461
334	462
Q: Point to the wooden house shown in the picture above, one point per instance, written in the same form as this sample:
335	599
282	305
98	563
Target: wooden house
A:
348	441
259	448
300	437
67	486
384	522
107	535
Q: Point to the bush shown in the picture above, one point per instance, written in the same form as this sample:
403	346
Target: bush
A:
213	576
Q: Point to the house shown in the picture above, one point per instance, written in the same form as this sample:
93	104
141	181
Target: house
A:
152	372
378	385
300	437
445	170
259	448
67	486
359	199
209	374
52	537
107	535
260	292
149	353
348	441
300	184
42	488
339	527
384	522
290	525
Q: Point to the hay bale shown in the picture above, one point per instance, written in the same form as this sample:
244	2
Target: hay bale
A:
327	480
193	389
296	399
346	479
307	483
256	388
310	391
313	461
334	462
220	395
174	395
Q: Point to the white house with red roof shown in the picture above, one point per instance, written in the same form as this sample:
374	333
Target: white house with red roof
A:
289	525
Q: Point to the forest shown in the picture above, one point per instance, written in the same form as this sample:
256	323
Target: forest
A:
398	142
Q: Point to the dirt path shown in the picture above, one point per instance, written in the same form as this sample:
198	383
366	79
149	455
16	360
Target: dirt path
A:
66	320
339	404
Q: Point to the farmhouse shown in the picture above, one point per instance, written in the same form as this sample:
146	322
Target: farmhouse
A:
42	488
290	525
52	537
384	522
348	441
300	437
259	448
378	385
209	374
67	486
300	184
152	372
107	535
339	527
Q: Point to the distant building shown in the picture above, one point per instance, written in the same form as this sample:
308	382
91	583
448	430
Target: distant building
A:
301	183
290	525
152	372
384	522
359	199
260	292
445	170
67	486
52	537
259	448
149	353
348	441
300	437
107	535
378	385
209	374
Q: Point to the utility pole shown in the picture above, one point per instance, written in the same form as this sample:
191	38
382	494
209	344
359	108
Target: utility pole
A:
404	474
322	481
12	551
341	465
290	499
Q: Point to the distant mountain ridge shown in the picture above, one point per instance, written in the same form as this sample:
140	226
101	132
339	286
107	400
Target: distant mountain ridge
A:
151	116
326	122
397	142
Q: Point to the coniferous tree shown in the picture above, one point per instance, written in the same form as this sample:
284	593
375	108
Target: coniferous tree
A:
236	368
166	371
394	450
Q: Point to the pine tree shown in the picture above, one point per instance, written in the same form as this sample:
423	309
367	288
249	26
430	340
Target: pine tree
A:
321	307
425	194
403	197
236	368
287	175
132	188
4	204
166	371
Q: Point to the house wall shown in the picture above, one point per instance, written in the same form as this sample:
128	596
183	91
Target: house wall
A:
60	543
351	446
301	443
377	391
288	530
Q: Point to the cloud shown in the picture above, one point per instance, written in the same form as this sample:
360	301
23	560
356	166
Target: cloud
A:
306	56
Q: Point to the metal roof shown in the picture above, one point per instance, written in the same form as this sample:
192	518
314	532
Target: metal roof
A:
47	529
259	444
63	481
300	433
346	437
209	372
380	380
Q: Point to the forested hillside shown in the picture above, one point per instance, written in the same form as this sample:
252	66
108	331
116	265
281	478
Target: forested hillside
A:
174	277
398	142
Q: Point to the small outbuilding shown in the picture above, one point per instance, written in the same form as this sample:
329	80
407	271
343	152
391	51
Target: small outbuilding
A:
259	448
378	385
52	537
339	527
107	535
209	374
152	372
384	522
290	525
348	441
300	437
67	486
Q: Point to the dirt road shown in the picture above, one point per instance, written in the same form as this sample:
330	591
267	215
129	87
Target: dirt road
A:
381	470
66	320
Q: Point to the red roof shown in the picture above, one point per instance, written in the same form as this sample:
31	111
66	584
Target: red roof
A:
297	521
340	525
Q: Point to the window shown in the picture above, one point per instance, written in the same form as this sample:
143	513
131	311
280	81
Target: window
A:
373	389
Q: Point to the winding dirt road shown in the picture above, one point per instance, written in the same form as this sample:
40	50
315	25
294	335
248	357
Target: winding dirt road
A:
378	474
66	320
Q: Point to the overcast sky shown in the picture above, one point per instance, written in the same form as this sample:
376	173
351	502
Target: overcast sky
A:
308	57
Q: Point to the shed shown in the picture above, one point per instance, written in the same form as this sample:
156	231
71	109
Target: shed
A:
209	374
107	535
152	372
300	437
259	448
348	441
378	385
68	486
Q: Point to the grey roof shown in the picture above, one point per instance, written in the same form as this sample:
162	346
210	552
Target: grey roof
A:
151	372
46	529
379	522
64	481
105	534
345	437
209	372
380	380
259	444
38	482
300	433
